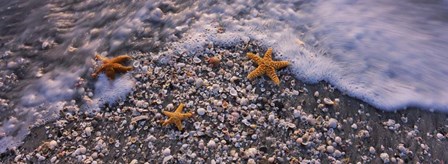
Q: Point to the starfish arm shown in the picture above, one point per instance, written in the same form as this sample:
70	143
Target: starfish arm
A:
178	125
268	54
187	115
167	122
179	109
97	72
120	68
271	74
255	73
279	64
110	73
254	57
99	57
169	114
120	59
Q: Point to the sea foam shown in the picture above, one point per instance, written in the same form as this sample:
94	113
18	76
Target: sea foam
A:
373	50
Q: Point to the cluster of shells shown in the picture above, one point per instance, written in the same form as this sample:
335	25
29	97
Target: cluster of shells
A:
235	120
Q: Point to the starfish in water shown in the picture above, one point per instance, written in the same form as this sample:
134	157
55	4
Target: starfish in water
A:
112	66
266	66
176	117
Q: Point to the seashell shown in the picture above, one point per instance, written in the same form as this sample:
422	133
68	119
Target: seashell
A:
211	144
201	111
215	60
328	101
233	92
196	60
134	120
316	94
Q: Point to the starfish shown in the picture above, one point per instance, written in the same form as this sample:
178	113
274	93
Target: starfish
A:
266	66
112	66
176	117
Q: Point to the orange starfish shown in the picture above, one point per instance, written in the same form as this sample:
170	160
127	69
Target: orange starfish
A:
266	66
112	66
176	117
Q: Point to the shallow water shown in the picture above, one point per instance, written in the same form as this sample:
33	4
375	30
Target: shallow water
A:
391	54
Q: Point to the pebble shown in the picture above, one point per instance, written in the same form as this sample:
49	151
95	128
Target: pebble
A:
338	140
384	157
88	131
134	161
52	144
251	161
297	113
332	123
337	153
271	159
328	101
201	111
198	82
372	150
354	126
233	92
211	144
53	159
251	152
196	60
316	94
244	101
330	149
166	152
440	136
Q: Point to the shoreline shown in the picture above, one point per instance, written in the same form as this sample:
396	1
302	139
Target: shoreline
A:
261	123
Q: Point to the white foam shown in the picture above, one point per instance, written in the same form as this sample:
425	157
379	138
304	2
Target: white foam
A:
110	92
374	50
16	128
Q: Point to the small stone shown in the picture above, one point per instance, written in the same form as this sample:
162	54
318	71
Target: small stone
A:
297	113
328	101
440	136
52	144
251	152
332	123
134	161
372	150
251	161
166	152
167	158
211	144
316	94
338	140
233	92
354	126
337	153
271	159
53	159
384	157
88	131
199	82
201	111
401	148
330	149
244	101
196	60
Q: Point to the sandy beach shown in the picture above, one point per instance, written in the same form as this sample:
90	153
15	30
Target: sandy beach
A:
235	120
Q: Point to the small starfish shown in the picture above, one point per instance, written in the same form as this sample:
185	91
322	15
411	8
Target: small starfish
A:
112	66
266	66
176	117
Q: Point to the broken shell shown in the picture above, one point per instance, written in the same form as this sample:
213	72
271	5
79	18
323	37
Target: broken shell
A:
328	101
